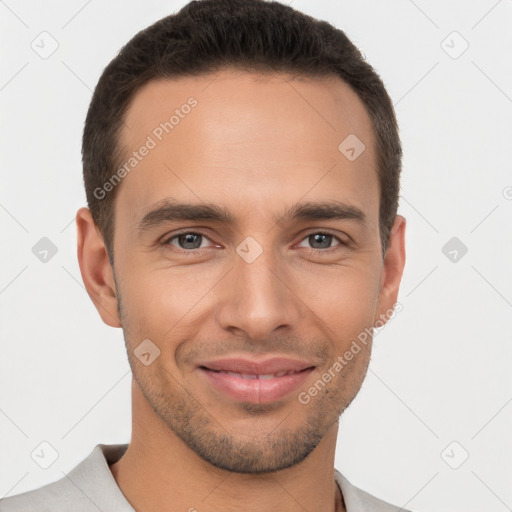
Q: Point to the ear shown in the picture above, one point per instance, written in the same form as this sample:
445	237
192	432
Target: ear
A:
394	262
95	268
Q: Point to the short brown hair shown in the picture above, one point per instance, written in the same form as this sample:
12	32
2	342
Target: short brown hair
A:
208	35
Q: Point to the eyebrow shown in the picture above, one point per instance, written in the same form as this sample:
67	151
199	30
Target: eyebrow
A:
169	210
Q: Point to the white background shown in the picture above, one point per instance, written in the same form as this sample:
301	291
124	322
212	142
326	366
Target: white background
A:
440	371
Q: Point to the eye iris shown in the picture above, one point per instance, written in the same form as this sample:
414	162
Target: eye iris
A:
193	240
324	239
189	238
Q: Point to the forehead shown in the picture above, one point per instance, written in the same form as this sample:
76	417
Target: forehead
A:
248	141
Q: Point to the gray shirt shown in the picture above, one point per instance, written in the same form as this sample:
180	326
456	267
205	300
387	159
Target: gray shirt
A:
91	487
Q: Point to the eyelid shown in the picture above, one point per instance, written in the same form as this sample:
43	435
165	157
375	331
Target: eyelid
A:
167	239
328	232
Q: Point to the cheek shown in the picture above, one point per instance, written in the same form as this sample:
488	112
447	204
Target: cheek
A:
345	297
160	302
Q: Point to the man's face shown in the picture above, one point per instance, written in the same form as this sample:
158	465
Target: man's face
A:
257	288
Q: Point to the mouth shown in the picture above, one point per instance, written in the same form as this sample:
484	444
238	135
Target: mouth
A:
256	382
252	376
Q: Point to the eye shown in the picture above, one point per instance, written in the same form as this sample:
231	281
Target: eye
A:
191	242
321	241
187	241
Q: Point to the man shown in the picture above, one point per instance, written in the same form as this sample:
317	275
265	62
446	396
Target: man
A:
241	164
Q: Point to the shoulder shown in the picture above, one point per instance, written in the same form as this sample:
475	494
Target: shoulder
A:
88	487
57	496
357	500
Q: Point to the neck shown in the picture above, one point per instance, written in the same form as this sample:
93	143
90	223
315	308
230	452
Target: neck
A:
158	469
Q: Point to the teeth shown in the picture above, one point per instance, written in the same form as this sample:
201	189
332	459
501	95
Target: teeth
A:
262	377
243	375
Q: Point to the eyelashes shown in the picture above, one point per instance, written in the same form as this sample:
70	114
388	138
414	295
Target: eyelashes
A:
193	251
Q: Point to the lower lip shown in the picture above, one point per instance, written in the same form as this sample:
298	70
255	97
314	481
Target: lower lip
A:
258	391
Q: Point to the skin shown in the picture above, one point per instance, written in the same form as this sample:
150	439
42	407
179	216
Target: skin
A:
255	144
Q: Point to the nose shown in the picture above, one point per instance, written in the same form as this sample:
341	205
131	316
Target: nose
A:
258	298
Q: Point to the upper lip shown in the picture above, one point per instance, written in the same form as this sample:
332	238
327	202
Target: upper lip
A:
254	367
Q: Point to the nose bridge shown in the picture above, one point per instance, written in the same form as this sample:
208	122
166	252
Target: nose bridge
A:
257	298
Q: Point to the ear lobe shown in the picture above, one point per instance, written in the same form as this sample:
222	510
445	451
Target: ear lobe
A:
392	271
95	268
